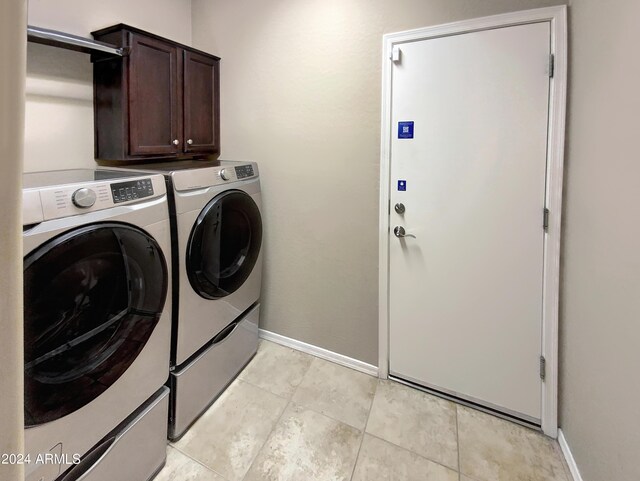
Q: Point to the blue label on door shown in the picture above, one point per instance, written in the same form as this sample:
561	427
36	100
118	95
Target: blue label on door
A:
402	185
405	130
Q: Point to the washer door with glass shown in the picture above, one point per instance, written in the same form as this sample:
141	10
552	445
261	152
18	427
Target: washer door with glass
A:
224	244
92	298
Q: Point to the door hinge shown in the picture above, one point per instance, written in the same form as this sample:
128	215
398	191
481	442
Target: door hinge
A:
389	207
545	219
543	368
552	65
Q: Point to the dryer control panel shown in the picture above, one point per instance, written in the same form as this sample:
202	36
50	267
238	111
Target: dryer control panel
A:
205	177
244	171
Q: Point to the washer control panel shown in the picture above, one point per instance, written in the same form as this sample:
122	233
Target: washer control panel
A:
131	190
41	203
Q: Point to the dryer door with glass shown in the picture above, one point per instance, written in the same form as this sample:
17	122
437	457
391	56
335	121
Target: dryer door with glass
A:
224	244
92	298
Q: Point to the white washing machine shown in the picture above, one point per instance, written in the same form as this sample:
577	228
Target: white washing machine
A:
97	324
217	239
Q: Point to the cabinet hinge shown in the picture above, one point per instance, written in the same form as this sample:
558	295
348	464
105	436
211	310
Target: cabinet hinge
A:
545	219
552	65
543	368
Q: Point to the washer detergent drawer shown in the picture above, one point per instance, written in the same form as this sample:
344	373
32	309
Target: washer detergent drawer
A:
195	386
134	451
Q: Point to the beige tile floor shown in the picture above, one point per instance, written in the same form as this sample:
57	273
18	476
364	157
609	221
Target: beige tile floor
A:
293	417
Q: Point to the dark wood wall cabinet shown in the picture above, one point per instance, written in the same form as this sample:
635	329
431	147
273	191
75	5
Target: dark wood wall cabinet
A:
160	101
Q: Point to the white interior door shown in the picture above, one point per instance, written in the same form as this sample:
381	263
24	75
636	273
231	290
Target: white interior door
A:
465	295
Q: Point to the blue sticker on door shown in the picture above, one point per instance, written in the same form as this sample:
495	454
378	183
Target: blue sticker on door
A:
402	185
405	130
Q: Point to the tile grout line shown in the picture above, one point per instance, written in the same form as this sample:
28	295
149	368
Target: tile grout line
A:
327	416
275	425
237	379
416	453
289	398
364	431
458	444
261	388
412	452
196	461
317	411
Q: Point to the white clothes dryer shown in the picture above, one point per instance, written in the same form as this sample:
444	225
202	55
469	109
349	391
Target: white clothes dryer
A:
97	324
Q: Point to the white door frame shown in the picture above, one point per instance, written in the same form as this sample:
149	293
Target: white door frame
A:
557	16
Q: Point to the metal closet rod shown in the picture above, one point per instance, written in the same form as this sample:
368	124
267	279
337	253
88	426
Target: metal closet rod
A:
69	41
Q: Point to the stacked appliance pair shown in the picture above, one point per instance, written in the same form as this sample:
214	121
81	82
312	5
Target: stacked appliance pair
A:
121	300
217	267
97	324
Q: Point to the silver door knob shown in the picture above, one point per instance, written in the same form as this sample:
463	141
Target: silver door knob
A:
400	232
176	142
399	208
190	141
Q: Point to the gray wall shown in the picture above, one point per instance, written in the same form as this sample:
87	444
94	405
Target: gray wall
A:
600	316
301	95
13	22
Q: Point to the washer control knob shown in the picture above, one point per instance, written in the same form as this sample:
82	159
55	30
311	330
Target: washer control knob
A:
83	198
223	174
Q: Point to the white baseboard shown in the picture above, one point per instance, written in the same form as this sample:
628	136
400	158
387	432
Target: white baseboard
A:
320	352
573	467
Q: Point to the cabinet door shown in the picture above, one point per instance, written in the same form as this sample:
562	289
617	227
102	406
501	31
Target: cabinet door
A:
201	103
154	110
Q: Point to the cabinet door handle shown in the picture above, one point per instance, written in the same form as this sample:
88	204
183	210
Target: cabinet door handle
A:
176	142
189	141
